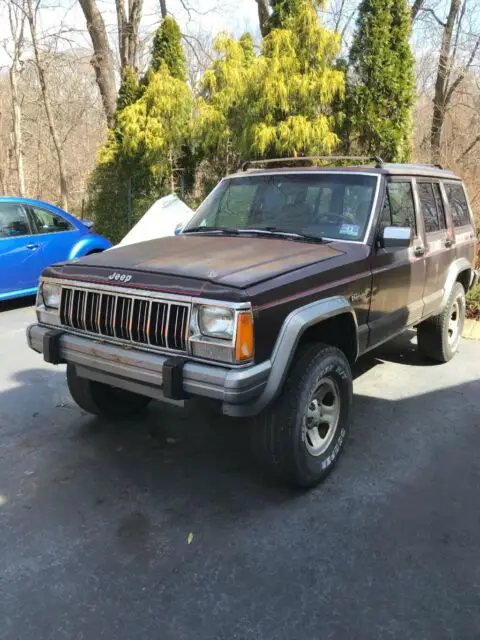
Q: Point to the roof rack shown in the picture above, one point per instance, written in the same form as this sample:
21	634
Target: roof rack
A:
310	161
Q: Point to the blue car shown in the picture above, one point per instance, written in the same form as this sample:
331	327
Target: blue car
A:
34	235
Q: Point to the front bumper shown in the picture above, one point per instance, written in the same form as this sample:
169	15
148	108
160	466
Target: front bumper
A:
155	375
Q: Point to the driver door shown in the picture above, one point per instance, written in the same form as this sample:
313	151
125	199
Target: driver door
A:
398	274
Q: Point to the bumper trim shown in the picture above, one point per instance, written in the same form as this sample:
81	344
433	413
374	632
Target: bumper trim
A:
143	371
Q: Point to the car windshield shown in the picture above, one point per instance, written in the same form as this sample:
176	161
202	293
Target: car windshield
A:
313	206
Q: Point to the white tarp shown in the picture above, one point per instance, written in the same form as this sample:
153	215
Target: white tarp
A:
161	220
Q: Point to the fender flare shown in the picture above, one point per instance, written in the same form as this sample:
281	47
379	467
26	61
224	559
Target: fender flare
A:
458	266
295	324
86	245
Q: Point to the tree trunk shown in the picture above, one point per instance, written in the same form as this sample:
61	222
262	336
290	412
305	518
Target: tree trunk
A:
417	6
3	165
441	84
46	103
163	8
16	18
128	31
263	15
102	60
17	129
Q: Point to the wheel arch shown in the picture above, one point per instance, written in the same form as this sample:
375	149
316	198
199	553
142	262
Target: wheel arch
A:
313	322
459	271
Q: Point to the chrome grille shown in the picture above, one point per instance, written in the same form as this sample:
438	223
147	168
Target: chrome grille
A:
157	323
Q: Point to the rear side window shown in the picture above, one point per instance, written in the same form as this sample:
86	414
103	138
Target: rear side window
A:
13	221
49	222
399	210
458	204
428	202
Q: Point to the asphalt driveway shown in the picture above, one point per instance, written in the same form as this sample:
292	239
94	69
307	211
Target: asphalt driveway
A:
96	519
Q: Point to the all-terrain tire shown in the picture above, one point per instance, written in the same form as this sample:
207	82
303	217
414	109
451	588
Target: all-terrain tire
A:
102	399
439	336
281	437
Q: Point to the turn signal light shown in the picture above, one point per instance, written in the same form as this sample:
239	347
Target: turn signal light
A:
244	340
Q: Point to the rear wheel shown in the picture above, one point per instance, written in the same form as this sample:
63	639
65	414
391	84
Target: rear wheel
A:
102	399
299	438
439	336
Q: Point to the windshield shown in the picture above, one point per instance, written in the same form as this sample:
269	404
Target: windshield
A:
316	205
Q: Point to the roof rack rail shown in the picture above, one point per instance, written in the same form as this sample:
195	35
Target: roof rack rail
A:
312	160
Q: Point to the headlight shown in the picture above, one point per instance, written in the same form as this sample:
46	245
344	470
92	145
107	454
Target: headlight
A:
51	294
216	322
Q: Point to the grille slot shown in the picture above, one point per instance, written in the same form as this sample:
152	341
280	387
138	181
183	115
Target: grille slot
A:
156	323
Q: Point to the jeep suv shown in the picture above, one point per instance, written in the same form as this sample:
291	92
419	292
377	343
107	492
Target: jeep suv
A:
287	273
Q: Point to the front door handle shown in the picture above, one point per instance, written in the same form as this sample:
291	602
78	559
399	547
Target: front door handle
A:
32	246
419	251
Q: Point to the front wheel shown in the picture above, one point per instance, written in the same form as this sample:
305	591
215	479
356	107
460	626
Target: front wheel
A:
300	437
439	336
102	399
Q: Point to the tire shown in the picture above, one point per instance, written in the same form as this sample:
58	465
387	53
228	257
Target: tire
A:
281	438
102	399
439	336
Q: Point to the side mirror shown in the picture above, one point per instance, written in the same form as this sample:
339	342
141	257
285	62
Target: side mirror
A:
178	229
87	223
396	237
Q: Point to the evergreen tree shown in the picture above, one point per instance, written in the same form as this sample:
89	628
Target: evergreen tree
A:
293	87
167	48
129	89
382	90
155	127
275	104
283	10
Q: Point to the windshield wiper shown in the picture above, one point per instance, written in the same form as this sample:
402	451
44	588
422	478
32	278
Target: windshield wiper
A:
293	235
213	229
267	231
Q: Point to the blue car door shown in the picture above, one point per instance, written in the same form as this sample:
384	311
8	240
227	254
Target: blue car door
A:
55	234
19	251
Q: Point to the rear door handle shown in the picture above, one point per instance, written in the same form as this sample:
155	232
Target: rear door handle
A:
32	246
419	251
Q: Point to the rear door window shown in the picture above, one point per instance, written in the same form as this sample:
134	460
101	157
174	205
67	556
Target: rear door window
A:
458	204
428	203
49	222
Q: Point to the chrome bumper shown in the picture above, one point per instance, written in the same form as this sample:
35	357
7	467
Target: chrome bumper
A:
239	390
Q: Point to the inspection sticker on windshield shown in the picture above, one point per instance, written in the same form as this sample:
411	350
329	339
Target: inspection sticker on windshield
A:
350	230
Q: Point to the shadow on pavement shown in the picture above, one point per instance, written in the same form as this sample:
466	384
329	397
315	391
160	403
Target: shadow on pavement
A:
17	303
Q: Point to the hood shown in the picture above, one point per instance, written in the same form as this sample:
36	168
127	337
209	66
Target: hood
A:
223	260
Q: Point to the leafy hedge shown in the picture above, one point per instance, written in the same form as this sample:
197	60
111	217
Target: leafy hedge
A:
473	303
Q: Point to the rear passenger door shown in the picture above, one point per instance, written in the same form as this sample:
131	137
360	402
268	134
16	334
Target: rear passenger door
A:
462	220
55	235
439	243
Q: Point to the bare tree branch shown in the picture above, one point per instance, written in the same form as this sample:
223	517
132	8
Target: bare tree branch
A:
416	8
432	12
468	149
462	75
31	15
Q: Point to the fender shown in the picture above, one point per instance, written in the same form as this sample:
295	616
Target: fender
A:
87	244
295	324
457	266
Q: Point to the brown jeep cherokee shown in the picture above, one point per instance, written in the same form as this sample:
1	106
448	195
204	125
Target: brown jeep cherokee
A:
282	279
